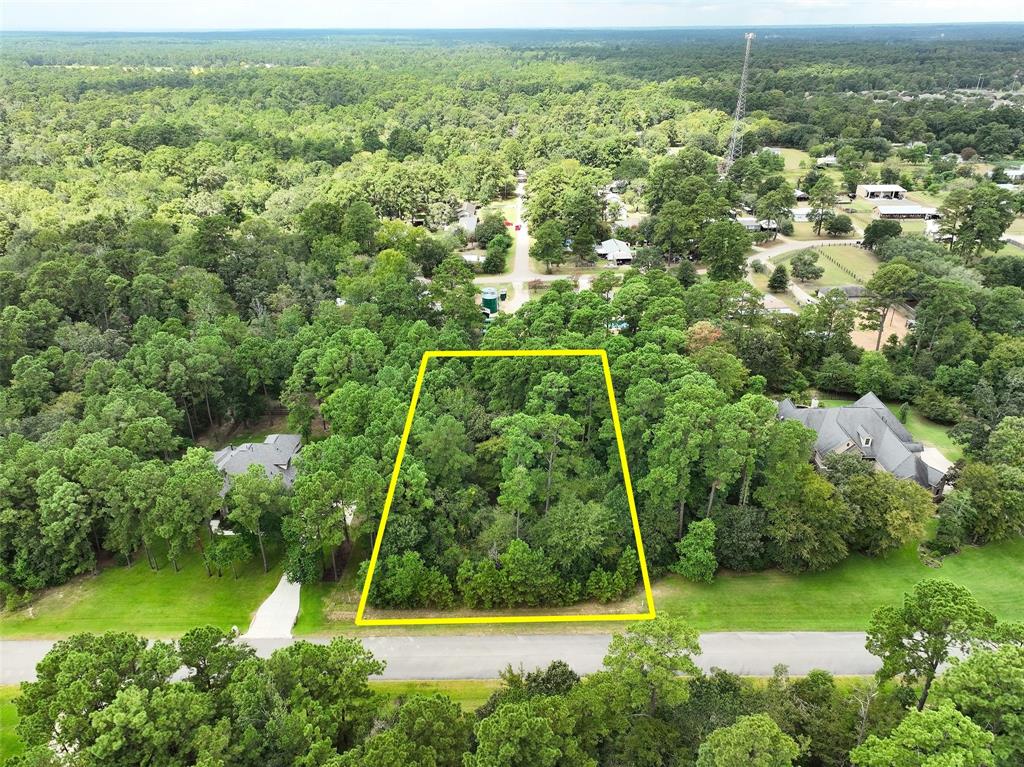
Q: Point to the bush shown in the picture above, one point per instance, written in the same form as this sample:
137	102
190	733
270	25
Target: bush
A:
697	552
405	581
937	406
786	226
492	225
497	254
740	537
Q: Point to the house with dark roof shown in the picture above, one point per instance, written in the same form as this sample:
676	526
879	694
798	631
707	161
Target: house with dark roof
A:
870	429
276	454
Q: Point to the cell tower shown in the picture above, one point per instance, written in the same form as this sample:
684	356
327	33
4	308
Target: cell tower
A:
741	108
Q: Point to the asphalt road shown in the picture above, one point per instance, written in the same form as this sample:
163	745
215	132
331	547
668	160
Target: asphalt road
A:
484	656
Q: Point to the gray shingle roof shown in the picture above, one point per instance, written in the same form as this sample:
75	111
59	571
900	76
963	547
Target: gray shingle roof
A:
275	454
869	427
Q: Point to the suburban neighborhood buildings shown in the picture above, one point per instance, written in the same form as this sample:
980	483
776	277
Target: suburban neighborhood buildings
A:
868	428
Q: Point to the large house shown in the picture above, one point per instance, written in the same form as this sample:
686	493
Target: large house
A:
276	454
870	429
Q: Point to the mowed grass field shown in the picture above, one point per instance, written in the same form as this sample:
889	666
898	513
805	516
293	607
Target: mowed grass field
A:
137	599
468	693
10	743
843	598
836	260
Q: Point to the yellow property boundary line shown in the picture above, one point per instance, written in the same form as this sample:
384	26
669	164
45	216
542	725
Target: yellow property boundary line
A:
427	356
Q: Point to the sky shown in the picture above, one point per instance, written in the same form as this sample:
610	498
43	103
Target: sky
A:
179	15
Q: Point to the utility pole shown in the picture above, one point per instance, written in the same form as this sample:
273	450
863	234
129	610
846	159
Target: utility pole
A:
741	108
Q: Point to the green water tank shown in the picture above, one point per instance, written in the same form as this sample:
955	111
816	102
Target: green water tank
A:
489	299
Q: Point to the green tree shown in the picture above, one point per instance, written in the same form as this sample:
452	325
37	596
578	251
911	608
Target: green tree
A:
779	281
940	736
839	225
988	687
889	286
805	267
975	220
888	512
674	231
880	230
535	732
548	244
697	552
913	640
823	202
427	730
256	503
754	740
724	249
648	659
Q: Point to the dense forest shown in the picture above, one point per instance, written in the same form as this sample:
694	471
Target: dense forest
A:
207	699
195	233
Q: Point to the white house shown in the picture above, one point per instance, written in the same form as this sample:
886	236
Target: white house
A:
1015	174
801	213
801	195
881	191
828	160
615	251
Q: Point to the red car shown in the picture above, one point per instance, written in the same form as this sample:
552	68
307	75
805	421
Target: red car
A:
518	227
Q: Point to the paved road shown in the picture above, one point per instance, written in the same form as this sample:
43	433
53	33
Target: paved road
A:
484	656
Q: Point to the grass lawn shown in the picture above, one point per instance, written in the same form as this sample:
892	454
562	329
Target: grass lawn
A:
927	199
833	258
156	604
10	743
843	598
1009	249
1017	227
926	431
468	693
760	281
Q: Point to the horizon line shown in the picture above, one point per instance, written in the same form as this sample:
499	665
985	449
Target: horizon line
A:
556	28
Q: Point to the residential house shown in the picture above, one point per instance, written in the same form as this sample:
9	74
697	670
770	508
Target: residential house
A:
827	161
615	251
276	454
801	195
869	429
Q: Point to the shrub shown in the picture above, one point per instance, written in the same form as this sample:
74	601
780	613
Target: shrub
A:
697	552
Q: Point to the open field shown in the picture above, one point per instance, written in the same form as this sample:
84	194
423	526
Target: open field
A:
861	264
136	599
843	598
10	743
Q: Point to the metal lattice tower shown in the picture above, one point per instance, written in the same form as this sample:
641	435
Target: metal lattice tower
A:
741	108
